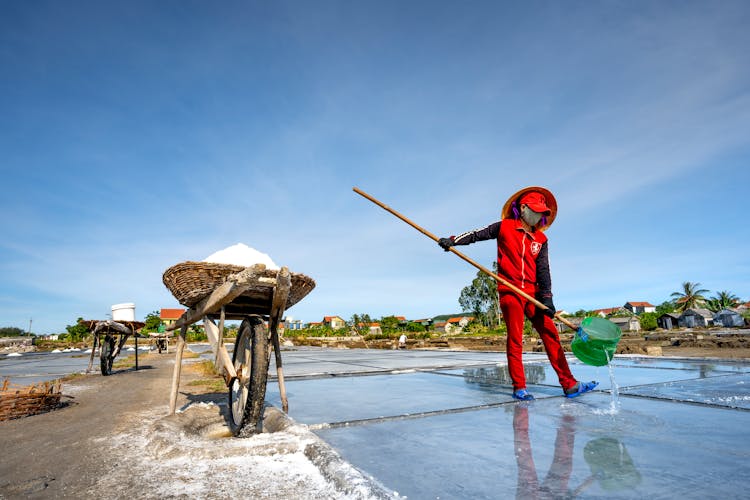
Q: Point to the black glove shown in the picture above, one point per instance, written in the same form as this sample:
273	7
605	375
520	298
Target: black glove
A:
446	243
547	301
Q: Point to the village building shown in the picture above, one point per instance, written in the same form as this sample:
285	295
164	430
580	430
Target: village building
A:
728	318
169	316
667	321
627	323
609	311
292	324
640	307
696	318
335	322
456	325
375	329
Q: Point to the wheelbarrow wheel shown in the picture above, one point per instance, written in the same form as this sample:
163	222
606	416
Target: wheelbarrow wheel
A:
247	391
105	355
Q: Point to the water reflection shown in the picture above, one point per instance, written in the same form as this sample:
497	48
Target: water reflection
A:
499	375
608	460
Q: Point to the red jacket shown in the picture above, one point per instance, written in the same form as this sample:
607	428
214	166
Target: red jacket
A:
522	257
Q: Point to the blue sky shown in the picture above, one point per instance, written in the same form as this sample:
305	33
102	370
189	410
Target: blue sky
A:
136	135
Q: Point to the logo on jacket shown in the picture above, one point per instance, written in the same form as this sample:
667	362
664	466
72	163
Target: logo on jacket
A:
535	247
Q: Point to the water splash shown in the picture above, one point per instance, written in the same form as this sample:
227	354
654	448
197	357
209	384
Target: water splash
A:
614	405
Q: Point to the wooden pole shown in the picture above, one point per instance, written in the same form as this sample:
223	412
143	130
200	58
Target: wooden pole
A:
177	370
135	336
278	305
220	345
223	361
93	350
500	280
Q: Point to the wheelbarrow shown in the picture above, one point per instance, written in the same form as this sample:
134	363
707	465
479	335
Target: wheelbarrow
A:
257	297
111	336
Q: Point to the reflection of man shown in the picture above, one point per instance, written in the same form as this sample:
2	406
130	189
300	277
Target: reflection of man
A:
609	461
555	484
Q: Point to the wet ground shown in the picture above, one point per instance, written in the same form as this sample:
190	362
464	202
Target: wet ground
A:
418	424
33	367
437	424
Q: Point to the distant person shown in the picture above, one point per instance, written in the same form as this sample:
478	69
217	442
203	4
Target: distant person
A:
522	260
402	341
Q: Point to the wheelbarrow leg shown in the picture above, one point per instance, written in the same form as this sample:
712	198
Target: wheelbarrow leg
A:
278	305
279	371
177	370
93	350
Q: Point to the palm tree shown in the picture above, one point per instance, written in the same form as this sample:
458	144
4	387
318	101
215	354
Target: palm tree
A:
690	296
723	300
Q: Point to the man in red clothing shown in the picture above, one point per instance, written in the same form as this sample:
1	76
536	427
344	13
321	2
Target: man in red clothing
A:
522	260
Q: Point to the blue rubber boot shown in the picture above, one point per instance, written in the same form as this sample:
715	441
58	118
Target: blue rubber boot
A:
523	395
580	388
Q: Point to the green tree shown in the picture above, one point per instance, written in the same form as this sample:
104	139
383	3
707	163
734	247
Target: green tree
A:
691	296
412	326
153	320
11	331
77	332
667	306
582	313
648	320
360	323
480	297
389	324
722	300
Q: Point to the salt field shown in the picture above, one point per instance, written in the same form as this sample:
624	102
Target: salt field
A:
436	424
428	424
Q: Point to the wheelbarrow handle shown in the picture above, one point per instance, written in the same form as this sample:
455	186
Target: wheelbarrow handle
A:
471	261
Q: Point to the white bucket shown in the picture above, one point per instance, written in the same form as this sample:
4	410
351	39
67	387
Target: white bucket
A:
123	312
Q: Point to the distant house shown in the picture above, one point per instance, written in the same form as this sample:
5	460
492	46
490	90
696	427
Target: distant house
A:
427	322
728	318
627	324
292	324
609	311
440	326
169	316
334	322
696	318
315	324
668	321
457	324
640	307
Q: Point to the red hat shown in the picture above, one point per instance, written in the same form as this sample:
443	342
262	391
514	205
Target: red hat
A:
535	201
538	199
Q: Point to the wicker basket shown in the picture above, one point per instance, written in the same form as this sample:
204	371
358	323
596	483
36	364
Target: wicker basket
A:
23	401
190	282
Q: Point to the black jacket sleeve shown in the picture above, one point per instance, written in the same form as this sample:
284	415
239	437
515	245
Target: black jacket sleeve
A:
486	233
543	279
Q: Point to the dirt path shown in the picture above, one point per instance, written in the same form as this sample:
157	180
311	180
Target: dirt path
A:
56	454
114	440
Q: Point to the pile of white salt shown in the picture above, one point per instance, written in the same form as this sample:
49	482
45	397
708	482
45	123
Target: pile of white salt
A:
241	255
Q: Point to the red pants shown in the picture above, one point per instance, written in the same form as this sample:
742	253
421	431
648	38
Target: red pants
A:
514	308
